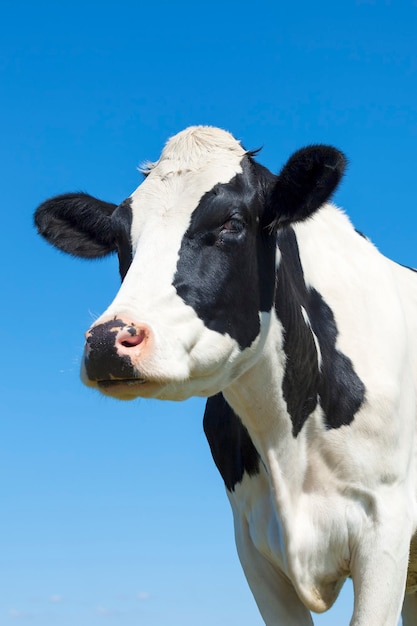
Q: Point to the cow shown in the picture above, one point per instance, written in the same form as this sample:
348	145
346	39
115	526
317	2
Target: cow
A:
255	291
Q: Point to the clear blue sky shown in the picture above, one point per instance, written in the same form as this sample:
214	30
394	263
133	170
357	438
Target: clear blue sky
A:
114	513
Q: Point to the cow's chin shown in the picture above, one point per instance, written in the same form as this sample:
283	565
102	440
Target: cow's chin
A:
132	388
120	389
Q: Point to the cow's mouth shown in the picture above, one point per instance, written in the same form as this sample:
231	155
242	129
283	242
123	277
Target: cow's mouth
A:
105	384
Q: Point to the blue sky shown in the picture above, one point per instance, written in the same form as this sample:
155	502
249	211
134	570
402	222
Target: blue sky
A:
113	513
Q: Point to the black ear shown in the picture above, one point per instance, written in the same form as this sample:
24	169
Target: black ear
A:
78	224
306	181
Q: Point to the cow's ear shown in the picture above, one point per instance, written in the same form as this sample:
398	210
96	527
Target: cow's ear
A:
306	181
77	224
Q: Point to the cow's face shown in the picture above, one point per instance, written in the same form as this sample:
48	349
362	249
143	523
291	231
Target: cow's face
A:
197	249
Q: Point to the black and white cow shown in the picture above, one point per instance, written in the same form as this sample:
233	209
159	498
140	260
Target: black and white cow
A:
251	290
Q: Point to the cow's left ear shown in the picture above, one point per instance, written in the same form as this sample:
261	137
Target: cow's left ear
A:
77	224
306	181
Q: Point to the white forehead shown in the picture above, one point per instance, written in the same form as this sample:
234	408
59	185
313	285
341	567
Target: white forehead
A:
191	163
193	146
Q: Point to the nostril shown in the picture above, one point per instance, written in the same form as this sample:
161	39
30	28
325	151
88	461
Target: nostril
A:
131	337
128	344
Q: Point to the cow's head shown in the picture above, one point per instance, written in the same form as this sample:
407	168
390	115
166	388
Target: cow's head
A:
197	255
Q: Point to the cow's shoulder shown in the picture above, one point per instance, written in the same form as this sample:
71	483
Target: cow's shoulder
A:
231	446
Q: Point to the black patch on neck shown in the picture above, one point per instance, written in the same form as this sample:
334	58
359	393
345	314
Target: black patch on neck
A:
335	385
122	225
230	444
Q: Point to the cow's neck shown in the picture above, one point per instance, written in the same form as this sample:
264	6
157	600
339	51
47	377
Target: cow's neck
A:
275	396
257	397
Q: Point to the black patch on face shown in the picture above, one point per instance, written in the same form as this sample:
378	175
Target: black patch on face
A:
121	225
226	260
230	444
336	385
102	362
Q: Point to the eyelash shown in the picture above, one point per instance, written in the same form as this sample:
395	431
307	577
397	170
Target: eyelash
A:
233	225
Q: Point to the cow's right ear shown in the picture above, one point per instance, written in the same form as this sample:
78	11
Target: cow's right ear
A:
78	224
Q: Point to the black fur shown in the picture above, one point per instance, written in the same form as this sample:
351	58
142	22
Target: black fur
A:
121	226
230	444
306	181
336	385
78	224
301	379
225	267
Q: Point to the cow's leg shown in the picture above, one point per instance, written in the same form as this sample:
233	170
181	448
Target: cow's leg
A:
379	570
409	613
274	593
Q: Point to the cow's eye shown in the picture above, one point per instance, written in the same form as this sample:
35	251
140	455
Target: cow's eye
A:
234	225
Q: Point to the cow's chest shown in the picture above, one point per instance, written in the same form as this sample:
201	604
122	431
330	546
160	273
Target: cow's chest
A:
311	549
